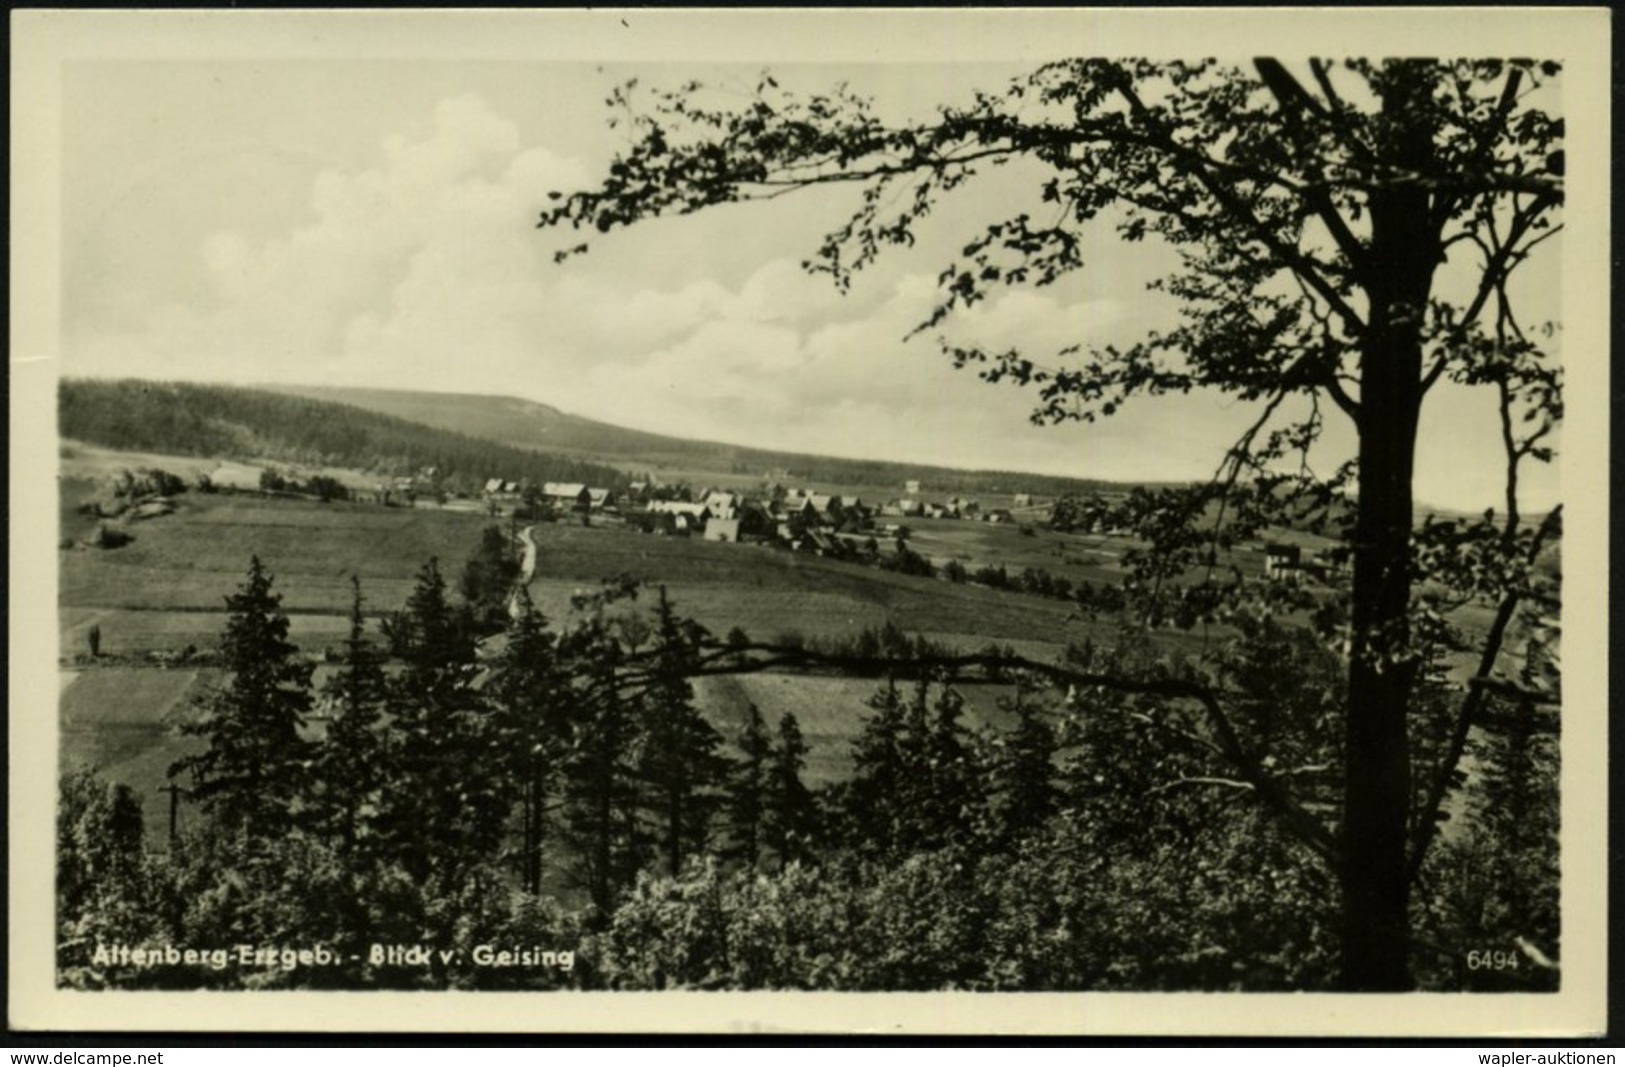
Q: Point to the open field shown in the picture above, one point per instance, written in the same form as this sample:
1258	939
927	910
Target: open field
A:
167	588
121	721
830	711
191	560
165	591
984	544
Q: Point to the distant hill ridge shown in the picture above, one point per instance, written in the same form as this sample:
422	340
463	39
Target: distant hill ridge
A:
531	424
182	418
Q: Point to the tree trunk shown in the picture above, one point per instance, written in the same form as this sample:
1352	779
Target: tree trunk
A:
1403	252
674	831
1377	785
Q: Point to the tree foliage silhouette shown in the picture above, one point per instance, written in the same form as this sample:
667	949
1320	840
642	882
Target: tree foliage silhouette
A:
1319	216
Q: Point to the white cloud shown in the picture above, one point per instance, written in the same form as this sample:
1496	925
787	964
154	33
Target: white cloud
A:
406	268
424	270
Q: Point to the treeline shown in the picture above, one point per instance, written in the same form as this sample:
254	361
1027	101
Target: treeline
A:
207	420
557	787
520	421
935	481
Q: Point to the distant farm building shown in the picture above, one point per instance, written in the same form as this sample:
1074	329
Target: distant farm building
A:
1022	500
567	495
1283	563
685	517
599	499
912	487
722	530
723	505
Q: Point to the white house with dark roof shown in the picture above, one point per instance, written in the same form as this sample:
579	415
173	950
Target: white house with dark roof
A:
722	530
722	504
682	508
567	494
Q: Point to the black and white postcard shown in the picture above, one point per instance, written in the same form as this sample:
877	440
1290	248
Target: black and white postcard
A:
1059	521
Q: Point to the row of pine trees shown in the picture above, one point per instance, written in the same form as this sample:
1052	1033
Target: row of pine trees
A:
579	751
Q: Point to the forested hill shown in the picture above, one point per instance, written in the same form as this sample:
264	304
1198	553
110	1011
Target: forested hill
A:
528	424
229	422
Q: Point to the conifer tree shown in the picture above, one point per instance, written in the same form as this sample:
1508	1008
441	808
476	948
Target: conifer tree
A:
601	817
350	761
1027	770
446	808
789	818
489	578
679	761
875	796
530	692
253	775
749	787
603	832
953	800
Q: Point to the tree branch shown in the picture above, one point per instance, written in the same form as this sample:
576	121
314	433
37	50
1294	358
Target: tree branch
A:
1238	210
1446	204
1293	100
1472	707
719	659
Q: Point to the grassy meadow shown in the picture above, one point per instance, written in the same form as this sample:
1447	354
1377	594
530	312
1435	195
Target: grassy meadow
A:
165	591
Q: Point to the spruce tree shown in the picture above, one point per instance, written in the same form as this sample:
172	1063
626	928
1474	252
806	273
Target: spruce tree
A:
530	693
789	818
253	775
601	818
680	762
489	578
748	788
446	809
1027	772
880	775
953	799
350	761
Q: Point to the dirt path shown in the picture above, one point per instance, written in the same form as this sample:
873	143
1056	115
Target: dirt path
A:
527	568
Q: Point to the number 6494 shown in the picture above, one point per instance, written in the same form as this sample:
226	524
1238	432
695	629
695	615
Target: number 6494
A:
1492	960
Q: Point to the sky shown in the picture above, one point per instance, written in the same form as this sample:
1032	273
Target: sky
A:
371	223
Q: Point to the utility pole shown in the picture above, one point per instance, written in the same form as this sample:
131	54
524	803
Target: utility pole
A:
175	792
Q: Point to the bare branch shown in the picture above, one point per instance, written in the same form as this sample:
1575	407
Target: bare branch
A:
1471	708
718	659
1238	210
1229	783
1293	100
